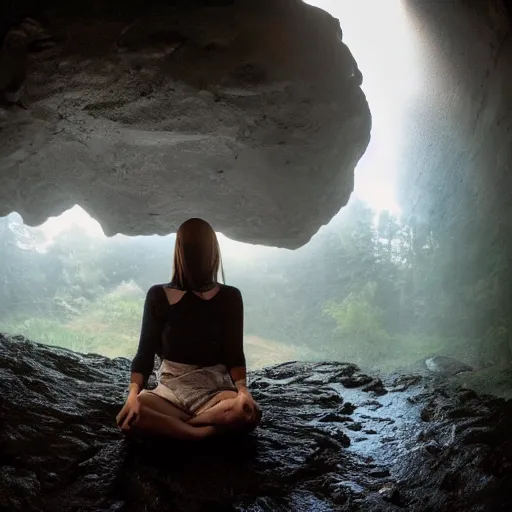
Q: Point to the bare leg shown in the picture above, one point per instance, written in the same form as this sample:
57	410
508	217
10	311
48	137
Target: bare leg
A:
157	416
159	404
219	397
233	413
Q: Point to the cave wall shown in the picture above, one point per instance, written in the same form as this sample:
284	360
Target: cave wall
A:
459	140
456	177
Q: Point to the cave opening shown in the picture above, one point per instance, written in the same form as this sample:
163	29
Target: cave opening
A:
377	285
388	257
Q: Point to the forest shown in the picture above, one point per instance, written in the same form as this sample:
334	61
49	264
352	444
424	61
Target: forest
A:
369	288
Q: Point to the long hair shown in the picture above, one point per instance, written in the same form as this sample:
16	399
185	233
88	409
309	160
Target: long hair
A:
197	258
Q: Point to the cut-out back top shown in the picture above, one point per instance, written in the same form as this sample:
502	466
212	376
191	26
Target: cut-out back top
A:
192	331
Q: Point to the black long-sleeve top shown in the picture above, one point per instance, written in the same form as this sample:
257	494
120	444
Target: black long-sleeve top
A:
192	331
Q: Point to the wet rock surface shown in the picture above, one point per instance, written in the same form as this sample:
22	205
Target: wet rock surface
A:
332	439
446	365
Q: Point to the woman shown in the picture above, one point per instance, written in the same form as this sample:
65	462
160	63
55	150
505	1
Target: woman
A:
195	326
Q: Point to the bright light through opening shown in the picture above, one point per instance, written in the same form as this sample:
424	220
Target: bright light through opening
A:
380	37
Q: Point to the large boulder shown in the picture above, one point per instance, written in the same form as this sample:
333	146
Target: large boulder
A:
248	113
332	439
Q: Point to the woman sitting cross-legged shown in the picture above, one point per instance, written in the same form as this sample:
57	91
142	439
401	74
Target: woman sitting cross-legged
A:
195	326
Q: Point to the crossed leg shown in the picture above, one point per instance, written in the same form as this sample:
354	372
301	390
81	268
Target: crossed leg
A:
226	411
160	417
229	410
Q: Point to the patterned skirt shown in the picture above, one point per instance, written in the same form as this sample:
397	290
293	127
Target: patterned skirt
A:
189	387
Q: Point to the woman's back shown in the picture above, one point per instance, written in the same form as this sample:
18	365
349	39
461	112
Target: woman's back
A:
196	327
186	328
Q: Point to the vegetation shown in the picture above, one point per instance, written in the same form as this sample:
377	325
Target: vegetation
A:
374	289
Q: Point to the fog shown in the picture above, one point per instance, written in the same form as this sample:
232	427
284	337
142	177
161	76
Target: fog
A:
362	290
376	286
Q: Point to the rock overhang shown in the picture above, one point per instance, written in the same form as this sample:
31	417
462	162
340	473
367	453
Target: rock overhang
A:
249	114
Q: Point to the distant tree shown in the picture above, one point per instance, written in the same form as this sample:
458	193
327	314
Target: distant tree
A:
21	282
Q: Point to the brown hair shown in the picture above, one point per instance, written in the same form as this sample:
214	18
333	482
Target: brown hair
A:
197	258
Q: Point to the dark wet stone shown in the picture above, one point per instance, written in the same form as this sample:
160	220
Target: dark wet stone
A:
335	418
379	473
463	412
446	365
372	405
477	435
389	492
348	408
356	380
344	369
466	395
339	436
376	386
404	382
449	482
260	384
60	450
329	399
432	447
426	413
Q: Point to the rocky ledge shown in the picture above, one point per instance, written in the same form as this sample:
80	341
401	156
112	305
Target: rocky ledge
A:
332	439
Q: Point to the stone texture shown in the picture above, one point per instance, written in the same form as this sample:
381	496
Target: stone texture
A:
321	447
249	114
459	134
446	365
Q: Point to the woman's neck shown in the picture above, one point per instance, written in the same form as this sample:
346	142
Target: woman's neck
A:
206	287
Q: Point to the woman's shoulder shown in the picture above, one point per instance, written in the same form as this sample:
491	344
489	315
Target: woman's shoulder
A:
229	288
230	291
156	291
